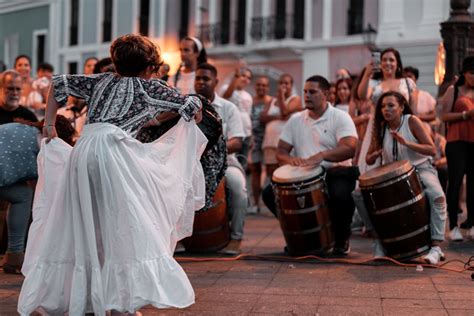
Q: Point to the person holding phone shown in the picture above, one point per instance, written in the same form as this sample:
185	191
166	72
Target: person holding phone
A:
377	80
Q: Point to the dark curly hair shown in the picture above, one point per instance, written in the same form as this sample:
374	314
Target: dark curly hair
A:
379	121
132	54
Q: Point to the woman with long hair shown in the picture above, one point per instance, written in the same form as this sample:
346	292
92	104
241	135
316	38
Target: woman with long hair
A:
458	114
378	80
399	135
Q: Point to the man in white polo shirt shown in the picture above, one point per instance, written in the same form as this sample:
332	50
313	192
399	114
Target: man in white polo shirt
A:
205	84
326	136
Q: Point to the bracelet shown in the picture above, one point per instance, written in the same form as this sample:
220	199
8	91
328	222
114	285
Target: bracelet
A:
50	125
464	117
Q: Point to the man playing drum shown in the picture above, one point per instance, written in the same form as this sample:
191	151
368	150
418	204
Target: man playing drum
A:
323	136
205	84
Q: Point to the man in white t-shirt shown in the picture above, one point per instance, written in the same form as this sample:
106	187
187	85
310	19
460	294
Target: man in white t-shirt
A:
323	136
206	82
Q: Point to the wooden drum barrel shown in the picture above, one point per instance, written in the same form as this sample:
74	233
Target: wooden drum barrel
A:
301	202
211	230
397	207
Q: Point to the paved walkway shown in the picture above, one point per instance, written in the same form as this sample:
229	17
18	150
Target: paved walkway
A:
261	285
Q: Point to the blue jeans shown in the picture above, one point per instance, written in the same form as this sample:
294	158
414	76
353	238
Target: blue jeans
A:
20	195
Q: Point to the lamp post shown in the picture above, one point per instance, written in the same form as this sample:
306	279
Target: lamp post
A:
368	35
458	38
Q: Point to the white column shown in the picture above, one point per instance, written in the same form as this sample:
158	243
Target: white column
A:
212	11
160	32
198	16
391	11
434	10
53	35
316	62
308	20
266	5
327	19
248	21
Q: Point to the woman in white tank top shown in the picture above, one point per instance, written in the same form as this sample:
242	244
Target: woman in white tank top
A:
398	135
275	116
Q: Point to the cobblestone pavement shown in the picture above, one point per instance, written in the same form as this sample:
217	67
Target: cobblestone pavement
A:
260	286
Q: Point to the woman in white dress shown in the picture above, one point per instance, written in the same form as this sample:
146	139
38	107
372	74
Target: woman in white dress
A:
108	213
378	80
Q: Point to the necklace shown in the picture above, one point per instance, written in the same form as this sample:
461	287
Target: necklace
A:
395	143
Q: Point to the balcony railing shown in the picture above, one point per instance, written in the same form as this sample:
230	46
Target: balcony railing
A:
261	29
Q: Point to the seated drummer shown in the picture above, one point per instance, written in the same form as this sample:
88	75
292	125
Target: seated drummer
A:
398	135
205	84
326	136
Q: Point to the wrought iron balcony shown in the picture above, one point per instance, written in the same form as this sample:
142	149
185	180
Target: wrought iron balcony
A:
261	29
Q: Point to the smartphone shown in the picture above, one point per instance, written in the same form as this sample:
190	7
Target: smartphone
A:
376	60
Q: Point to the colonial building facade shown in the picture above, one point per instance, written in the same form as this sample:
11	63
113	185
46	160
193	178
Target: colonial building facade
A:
300	37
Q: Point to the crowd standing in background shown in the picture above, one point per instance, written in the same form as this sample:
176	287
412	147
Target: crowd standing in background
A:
348	127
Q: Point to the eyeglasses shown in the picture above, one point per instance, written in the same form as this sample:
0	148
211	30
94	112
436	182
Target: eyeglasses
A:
13	89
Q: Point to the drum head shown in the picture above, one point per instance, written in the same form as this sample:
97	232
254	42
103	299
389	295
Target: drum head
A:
384	173
288	173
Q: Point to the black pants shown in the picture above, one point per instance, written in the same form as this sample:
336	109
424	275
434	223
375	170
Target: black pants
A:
340	184
460	155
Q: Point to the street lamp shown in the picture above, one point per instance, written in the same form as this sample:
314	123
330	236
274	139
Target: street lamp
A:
368	35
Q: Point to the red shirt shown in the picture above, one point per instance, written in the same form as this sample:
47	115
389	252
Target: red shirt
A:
462	130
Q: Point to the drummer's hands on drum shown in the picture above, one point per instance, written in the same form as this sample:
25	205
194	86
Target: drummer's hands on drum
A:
297	161
315	160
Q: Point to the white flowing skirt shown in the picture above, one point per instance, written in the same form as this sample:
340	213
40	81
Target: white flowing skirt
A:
106	218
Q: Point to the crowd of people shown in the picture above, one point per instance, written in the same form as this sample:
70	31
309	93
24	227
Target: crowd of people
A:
132	165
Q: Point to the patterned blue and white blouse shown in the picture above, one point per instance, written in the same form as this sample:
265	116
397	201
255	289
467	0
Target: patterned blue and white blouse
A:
126	102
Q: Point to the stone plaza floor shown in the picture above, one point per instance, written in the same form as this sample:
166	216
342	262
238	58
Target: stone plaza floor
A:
266	282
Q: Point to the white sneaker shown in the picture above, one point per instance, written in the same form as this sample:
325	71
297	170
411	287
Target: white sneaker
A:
434	256
455	234
377	248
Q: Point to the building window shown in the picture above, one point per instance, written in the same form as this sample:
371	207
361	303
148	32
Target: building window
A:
280	21
72	68
40	48
298	19
240	27
225	22
144	19
74	27
184	21
107	22
355	17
